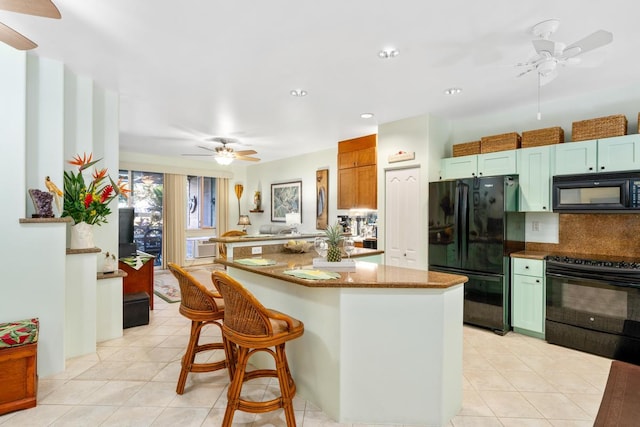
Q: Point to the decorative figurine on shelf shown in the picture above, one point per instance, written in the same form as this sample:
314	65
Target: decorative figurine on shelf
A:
42	202
55	191
110	264
256	200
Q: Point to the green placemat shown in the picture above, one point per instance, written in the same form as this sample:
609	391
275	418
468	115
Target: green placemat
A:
255	261
312	274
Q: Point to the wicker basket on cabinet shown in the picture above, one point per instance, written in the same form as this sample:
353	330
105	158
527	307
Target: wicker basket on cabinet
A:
502	142
466	148
546	136
601	127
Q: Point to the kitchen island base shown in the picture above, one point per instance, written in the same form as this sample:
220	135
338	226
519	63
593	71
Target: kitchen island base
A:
372	355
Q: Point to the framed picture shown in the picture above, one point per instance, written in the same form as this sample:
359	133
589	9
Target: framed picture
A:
286	198
322	199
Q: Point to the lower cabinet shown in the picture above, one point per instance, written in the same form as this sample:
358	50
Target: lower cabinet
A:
528	296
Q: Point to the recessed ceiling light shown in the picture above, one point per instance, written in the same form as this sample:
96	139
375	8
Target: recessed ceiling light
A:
298	92
366	115
388	53
452	91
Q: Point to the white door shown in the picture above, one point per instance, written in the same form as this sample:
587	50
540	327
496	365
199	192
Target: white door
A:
402	217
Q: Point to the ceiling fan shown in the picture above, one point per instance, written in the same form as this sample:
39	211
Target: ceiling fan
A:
44	8
550	54
224	155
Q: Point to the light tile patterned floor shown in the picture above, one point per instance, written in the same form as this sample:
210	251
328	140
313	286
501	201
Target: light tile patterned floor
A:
509	381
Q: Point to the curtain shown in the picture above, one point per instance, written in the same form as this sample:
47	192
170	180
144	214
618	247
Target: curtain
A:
175	212
222	205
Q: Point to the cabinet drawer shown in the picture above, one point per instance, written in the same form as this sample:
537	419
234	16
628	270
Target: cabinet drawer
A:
529	267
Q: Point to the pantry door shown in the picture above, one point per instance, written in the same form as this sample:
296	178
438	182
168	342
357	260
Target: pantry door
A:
402	217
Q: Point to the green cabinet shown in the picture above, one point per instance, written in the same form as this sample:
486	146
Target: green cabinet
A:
617	153
488	164
528	296
534	171
576	157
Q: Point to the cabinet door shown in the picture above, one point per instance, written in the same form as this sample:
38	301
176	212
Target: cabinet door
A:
459	167
619	153
366	157
347	160
498	163
528	303
575	157
366	183
534	170
346	188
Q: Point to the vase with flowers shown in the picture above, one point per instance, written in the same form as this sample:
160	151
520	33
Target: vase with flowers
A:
87	203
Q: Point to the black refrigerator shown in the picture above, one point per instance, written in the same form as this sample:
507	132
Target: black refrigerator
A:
474	225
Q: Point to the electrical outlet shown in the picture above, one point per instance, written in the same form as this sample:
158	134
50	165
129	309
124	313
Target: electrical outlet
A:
256	250
535	225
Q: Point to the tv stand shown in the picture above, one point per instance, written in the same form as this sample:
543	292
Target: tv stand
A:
138	280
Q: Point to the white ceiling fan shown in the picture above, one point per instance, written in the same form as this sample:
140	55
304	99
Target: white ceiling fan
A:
224	155
550	54
44	8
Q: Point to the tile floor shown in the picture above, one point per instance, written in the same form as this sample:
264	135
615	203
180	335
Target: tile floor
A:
509	381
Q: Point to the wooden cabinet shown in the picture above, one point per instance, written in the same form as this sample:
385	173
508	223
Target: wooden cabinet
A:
358	173
138	280
528	296
534	170
488	164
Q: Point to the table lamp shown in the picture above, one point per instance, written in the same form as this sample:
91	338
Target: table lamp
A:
244	221
293	220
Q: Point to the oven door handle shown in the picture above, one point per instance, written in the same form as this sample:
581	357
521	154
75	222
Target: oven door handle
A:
582	276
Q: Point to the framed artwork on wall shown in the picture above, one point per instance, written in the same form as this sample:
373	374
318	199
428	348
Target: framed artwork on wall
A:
286	198
322	199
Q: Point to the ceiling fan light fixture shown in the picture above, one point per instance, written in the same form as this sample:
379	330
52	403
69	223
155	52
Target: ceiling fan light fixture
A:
453	91
388	53
224	160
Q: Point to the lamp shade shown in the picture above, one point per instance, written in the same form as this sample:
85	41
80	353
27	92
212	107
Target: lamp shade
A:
292	218
244	220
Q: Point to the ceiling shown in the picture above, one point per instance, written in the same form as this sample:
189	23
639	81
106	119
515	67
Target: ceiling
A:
193	69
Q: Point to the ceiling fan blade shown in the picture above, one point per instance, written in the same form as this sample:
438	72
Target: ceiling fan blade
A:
206	148
593	41
544	46
15	39
527	71
197	155
245	152
250	159
44	8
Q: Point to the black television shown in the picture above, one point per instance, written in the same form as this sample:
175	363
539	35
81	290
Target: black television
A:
126	243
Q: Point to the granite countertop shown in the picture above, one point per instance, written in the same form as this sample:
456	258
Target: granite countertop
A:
367	274
530	254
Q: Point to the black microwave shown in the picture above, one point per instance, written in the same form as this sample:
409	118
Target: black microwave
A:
597	192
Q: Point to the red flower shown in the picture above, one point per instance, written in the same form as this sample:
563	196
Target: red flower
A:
87	200
106	193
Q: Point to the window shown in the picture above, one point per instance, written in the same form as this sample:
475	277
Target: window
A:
201	211
146	198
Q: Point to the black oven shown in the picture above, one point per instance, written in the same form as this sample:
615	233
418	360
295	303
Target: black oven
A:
594	306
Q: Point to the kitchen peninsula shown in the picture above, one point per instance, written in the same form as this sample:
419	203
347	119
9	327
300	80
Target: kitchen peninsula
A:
382	344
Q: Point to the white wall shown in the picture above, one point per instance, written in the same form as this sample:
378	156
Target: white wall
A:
300	168
48	114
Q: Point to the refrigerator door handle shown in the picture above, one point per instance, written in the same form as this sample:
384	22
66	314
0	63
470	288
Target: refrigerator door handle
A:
464	222
456	222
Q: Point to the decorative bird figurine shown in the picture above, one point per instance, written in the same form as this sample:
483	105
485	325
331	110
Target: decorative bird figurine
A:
57	193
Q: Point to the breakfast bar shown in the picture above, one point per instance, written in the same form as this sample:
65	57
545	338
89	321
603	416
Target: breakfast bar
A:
382	344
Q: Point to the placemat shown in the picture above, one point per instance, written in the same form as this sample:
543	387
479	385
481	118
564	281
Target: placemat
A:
312	274
255	261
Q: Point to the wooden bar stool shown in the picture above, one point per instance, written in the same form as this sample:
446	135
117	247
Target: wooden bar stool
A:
249	328
203	307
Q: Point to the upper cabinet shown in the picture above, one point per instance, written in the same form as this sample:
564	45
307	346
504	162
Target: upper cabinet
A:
534	170
358	173
488	164
603	155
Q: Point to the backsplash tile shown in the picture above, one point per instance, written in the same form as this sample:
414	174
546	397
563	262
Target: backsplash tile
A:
593	234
